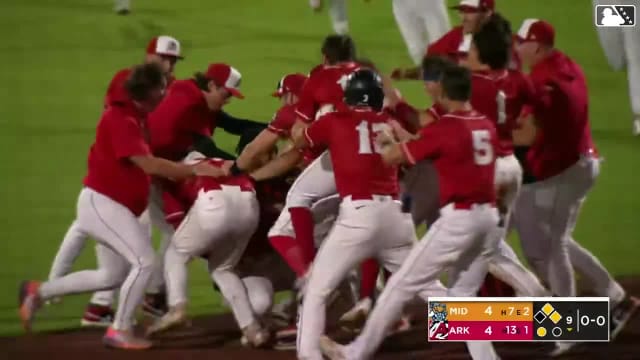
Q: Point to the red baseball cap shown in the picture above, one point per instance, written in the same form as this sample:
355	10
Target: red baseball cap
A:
227	77
291	83
538	31
164	45
475	5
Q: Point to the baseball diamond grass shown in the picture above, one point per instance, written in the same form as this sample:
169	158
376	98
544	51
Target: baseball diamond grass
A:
58	57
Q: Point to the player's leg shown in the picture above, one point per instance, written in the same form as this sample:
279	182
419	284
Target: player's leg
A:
346	246
314	183
527	222
71	246
420	183
99	312
611	40
338	15
435	18
411	28
589	267
632	50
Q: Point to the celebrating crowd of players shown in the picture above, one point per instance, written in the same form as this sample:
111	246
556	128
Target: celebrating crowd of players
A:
360	168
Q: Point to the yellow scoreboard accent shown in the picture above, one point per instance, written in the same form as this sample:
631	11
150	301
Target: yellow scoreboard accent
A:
519	319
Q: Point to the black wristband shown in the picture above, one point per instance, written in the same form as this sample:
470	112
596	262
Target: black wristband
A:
235	170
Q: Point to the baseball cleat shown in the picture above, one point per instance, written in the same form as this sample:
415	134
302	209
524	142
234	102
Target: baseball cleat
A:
636	126
332	349
562	348
289	332
29	302
155	305
98	316
621	314
316	5
285	345
175	317
255	335
357	316
120	339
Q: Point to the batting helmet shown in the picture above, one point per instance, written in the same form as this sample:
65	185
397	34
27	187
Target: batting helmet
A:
364	88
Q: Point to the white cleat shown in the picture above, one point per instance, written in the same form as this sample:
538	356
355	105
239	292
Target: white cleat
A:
357	316
255	335
636	126
316	5
562	348
332	349
175	317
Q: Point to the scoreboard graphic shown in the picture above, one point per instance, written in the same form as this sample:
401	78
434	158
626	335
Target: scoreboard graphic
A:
519	319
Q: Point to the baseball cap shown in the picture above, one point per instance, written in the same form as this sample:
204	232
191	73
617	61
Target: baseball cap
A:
538	31
475	5
164	45
291	83
225	76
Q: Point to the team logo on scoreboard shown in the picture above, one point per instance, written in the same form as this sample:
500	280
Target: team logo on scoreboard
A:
438	323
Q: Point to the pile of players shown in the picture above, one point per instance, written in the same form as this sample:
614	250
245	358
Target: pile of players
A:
497	149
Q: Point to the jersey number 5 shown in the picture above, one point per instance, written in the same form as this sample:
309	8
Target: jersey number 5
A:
366	143
482	149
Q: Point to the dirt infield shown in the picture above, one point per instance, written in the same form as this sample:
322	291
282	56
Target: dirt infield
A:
216	338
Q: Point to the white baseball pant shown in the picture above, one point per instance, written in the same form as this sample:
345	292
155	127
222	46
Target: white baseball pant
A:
460	241
125	256
314	183
505	264
621	46
421	22
217	227
364	229
546	217
75	239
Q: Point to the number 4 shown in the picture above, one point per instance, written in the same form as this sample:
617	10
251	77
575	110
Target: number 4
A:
488	311
488	330
482	149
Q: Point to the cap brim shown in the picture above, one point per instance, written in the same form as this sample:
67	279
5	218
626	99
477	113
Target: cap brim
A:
235	93
172	55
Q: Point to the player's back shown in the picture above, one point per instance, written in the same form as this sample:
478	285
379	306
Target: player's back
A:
500	95
324	90
466	163
358	167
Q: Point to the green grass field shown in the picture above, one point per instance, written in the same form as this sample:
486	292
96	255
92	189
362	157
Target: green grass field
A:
58	57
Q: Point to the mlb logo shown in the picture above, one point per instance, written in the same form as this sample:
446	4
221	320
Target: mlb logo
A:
615	15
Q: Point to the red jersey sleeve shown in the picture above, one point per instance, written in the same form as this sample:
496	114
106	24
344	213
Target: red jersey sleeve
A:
127	138
283	121
307	106
317	134
448	44
427	146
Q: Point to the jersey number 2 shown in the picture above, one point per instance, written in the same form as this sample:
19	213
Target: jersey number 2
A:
366	143
482	149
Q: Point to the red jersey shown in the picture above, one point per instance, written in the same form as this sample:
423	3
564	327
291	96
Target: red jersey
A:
324	90
501	95
116	86
357	164
182	113
462	147
563	124
283	120
455	46
120	134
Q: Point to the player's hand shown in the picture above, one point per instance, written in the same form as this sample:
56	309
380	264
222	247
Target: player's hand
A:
397	74
206	169
385	138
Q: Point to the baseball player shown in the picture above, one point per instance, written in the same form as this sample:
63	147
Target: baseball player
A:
501	94
222	217
461	145
337	14
564	163
321	93
370	222
621	46
116	192
164	51
420	23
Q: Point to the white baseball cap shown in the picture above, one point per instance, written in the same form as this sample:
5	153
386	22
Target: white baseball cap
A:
164	45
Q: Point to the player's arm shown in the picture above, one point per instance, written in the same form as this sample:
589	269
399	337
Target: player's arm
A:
412	73
525	133
314	135
263	143
278	166
205	145
426	146
234	125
